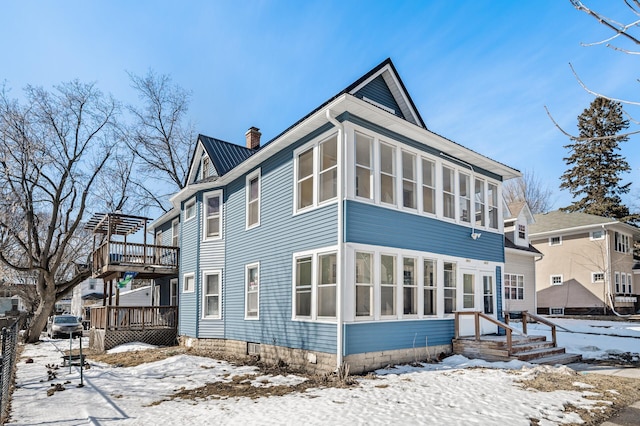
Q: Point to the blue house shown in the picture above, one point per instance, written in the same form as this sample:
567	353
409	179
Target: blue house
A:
351	237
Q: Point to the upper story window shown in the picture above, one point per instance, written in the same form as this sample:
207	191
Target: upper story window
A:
522	232
597	277
479	198
204	168
465	197
387	174
316	172
364	166
621	242
409	194
253	199
492	197
213	215
556	280
448	193
428	186
555	241
190	209
596	235
175	232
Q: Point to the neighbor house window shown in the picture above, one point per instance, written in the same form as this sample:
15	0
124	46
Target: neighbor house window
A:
388	285
514	286
327	279
556	279
449	287
409	287
175	233
188	283
621	242
213	215
364	284
623	280
387	174
430	301
597	235
305	179
522	232
364	165
428	186
448	193
211	295
492	197
253	199
465	197
629	286
617	282
480	202
252	299
555	241
190	209
328	178
409	180
303	286
597	277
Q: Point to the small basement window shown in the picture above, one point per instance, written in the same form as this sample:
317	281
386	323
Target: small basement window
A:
253	348
556	311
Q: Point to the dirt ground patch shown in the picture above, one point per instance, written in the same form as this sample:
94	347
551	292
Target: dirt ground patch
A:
612	393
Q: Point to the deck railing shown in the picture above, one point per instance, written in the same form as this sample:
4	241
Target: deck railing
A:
117	253
477	315
134	317
526	316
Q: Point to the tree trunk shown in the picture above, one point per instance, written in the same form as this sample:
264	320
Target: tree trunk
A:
39	321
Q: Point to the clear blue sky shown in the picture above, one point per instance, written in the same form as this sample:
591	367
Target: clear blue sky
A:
479	71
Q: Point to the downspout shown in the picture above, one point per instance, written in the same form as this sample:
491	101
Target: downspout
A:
610	299
340	254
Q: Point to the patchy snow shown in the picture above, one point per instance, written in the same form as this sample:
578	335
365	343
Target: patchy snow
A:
133	346
447	393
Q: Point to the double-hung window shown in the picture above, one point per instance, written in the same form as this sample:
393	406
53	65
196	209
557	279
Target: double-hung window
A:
429	287
328	179
316	174
493	206
188	283
364	163
253	199
387	174
175	233
617	282
428	186
449	281
305	179
252	296
480	202
388	285
364	284
409	180
409	286
213	215
464	182
314	286
448	193
190	209
621	242
211	295
205	168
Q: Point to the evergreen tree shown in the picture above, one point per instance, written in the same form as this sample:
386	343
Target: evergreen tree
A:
595	164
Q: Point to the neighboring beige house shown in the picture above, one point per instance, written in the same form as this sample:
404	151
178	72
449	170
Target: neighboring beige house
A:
587	267
519	278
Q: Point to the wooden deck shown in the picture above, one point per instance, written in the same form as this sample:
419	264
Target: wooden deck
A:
149	261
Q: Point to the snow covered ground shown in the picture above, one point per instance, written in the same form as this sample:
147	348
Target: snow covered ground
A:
448	393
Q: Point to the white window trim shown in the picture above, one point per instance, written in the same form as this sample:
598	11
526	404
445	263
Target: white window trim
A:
592	238
205	274
315	145
551	277
593	277
175	236
416	285
246	290
204	173
371	168
187	204
205	196
184	280
504	286
373	273
551	244
315	255
257	173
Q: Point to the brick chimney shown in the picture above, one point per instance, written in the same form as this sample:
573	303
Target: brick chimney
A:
253	138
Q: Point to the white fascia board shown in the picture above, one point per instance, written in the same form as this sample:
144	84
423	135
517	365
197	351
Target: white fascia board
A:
171	214
522	252
574	229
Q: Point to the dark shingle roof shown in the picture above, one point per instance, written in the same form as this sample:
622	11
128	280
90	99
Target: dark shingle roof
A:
225	155
509	244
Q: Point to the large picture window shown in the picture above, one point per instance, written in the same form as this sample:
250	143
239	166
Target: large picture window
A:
252	297
388	285
315	282
213	215
211	295
364	166
387	174
253	199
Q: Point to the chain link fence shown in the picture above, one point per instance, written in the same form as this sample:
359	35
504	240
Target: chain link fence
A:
9	354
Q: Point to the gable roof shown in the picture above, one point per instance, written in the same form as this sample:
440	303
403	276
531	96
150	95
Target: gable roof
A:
559	221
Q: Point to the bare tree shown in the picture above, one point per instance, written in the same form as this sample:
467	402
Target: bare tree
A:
528	188
161	138
53	149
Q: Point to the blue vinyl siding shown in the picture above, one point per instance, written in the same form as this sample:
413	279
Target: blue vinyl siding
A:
272	244
369	224
367	337
189	248
212	255
378	91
